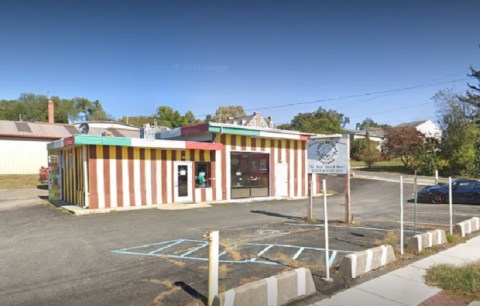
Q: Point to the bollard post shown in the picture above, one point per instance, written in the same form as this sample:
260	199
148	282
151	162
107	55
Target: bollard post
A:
310	197
401	215
327	254
436	177
450	204
213	239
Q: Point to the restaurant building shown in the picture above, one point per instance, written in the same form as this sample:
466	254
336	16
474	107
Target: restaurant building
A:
207	162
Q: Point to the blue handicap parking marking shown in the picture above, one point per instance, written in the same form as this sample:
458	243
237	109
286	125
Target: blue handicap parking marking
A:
198	250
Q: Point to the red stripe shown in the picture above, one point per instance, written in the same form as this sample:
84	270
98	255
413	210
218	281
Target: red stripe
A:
119	176
272	170
143	179
263	144
212	175
203	146
224	167
288	167
304	172
131	172
304	137
153	171
92	170
106	175
243	140
164	176
254	143
202	156
203	193
295	168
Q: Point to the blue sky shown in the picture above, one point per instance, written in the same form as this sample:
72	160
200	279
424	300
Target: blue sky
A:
198	55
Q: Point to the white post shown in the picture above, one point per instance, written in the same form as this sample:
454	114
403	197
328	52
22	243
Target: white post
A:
401	215
327	251
85	177
213	239
310	197
450	202
436	177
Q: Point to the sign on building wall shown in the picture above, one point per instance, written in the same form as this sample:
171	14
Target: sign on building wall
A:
328	155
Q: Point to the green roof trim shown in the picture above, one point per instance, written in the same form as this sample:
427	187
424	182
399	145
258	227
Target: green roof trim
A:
233	131
102	140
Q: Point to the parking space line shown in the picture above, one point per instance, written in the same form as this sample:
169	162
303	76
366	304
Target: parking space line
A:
166	247
298	253
332	258
350	227
194	250
137	250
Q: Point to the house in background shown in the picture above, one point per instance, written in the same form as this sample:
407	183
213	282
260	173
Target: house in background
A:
24	144
255	120
374	134
427	127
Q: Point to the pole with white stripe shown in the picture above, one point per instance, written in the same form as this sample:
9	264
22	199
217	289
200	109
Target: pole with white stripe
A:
327	255
401	215
450	202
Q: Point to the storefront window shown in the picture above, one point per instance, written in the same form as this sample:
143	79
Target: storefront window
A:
249	175
202	175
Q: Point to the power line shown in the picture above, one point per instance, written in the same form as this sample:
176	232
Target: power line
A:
383	92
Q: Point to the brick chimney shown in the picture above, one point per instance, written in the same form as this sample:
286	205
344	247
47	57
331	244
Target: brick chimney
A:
51	112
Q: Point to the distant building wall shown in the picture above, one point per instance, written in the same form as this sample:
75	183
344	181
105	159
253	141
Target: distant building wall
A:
21	156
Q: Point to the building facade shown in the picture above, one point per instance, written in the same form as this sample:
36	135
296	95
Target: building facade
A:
230	162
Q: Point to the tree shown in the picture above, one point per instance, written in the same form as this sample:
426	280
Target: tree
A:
32	107
368	122
224	113
370	153
472	96
171	118
404	142
460	145
320	121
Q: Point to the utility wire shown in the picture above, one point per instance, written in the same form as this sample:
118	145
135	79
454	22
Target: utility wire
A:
368	94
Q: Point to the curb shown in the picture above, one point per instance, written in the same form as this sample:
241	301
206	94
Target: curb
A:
426	240
467	227
279	289
356	264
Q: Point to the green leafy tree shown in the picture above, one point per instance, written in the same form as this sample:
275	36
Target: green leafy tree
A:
404	142
224	113
171	118
368	122
460	145
320	121
356	148
370	153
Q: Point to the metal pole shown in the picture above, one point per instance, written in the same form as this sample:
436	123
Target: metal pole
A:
310	197
213	239
327	254
415	204
450	204
401	215
348	211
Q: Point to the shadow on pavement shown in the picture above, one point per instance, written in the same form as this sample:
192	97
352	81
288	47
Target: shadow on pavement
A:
192	292
275	215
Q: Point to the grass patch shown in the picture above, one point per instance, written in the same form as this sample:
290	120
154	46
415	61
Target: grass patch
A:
394	165
19	181
461	280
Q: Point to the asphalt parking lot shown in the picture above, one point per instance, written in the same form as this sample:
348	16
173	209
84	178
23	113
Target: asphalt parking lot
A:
159	257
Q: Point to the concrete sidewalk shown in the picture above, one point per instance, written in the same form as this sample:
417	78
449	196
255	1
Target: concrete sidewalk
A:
395	177
406	286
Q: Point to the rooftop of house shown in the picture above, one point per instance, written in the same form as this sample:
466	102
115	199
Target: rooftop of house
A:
225	128
256	119
44	130
375	132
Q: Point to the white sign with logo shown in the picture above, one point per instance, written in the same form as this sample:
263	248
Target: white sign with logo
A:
328	155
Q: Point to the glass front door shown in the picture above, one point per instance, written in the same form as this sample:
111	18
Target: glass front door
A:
183	181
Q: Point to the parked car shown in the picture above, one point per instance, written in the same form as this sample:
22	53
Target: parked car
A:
463	191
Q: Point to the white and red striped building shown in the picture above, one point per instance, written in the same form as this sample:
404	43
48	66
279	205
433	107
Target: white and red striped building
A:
207	162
